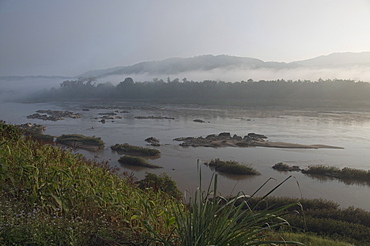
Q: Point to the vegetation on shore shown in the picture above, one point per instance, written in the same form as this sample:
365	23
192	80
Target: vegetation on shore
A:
135	150
232	167
136	161
323	218
50	196
337	93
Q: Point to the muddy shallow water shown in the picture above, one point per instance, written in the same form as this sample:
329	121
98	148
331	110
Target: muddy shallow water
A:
347	129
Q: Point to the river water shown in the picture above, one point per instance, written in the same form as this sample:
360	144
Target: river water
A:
346	129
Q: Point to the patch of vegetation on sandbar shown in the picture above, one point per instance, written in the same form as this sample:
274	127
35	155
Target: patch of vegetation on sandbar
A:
136	161
81	141
336	172
284	167
232	167
135	150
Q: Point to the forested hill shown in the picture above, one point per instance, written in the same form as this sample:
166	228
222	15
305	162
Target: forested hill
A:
180	65
262	93
173	66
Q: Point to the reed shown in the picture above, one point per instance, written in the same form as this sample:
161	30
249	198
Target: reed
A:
209	222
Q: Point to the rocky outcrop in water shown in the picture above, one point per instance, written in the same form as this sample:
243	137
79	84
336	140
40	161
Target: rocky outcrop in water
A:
53	115
225	139
153	141
28	127
155	117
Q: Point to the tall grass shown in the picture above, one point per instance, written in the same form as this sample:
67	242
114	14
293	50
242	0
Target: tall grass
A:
209	222
50	189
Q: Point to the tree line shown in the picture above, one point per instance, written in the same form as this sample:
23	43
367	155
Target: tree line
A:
335	92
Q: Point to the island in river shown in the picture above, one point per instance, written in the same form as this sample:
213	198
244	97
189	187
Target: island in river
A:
225	139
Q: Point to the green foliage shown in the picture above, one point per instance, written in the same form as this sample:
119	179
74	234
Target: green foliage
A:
323	218
264	93
45	191
208	222
312	240
232	167
50	196
136	161
162	182
135	150
42	137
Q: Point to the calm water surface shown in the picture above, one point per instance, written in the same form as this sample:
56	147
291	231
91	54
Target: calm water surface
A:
345	129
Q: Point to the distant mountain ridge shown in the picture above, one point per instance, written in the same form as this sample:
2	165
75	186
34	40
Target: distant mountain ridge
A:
338	60
208	62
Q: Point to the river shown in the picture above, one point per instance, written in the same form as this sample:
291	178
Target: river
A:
347	129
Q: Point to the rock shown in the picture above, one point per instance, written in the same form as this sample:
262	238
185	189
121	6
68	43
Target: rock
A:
154	117
256	136
28	127
108	113
153	141
53	115
224	135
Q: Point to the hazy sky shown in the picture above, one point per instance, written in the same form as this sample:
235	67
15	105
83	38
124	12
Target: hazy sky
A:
69	37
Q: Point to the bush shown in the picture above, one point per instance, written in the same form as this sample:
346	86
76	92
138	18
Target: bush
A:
162	182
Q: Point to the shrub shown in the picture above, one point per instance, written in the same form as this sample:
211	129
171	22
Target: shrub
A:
162	182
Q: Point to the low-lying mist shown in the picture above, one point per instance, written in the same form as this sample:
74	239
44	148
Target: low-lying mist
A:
19	88
356	73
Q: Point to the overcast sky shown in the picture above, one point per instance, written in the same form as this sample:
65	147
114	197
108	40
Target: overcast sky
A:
69	37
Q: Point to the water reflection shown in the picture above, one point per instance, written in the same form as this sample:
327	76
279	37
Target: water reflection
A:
235	177
347	129
324	178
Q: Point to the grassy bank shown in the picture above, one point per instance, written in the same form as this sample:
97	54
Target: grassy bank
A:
50	196
323	218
